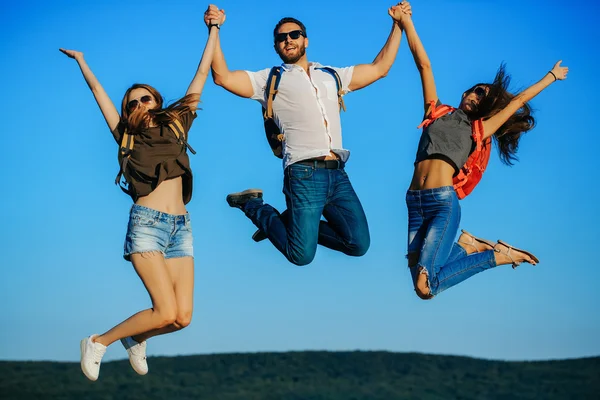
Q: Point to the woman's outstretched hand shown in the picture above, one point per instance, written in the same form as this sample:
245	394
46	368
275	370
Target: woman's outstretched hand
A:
74	54
560	73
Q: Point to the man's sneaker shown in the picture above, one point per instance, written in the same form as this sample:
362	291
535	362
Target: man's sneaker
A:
91	357
137	355
259	236
238	200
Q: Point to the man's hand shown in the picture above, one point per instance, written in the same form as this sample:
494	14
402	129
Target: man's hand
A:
214	16
401	12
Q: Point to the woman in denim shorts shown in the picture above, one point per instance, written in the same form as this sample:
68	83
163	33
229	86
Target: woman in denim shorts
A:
155	168
435	261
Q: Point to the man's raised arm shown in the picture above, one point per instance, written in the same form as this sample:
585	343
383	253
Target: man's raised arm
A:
365	74
236	82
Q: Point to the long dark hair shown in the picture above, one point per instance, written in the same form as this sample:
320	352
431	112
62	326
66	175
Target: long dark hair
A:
508	135
137	119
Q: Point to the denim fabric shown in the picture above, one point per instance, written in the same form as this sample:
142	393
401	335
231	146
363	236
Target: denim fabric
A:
311	192
151	230
433	220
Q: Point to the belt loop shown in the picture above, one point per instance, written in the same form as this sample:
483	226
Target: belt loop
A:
315	164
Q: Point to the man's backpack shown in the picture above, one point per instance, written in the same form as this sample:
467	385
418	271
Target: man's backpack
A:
274	136
470	174
127	147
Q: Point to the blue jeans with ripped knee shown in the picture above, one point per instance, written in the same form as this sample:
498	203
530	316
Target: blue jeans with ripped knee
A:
433	220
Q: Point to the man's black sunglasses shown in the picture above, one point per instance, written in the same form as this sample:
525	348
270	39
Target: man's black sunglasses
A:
281	37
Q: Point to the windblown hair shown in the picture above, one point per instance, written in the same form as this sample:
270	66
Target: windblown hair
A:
138	119
508	135
289	20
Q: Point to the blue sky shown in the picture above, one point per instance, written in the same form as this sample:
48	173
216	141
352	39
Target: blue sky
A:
63	276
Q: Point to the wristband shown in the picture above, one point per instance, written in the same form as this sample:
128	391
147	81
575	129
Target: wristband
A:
211	25
555	79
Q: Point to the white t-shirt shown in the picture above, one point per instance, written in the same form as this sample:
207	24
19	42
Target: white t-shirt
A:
301	107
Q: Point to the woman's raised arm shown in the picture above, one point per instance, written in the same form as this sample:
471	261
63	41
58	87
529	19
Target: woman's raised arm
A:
199	80
111	115
419	54
491	125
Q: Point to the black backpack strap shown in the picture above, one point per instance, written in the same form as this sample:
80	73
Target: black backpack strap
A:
124	153
271	90
179	132
338	83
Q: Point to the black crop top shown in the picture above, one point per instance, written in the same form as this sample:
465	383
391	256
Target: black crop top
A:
157	156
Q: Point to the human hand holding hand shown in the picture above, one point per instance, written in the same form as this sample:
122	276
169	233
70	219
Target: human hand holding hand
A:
213	15
401	12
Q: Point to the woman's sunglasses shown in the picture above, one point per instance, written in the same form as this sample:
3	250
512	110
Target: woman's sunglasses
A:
479	92
281	37
134	103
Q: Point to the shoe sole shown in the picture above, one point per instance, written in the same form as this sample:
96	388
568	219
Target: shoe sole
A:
246	192
136	370
259	236
534	258
239	195
130	361
478	239
82	347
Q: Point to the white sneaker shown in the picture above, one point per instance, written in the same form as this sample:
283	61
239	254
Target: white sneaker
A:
91	357
137	354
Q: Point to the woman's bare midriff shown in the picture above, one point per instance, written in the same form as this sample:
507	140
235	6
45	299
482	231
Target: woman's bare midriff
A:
431	174
165	198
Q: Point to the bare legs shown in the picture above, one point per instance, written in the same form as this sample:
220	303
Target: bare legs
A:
182	275
170	285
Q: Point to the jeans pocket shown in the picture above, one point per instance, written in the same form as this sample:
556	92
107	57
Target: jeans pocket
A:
140	220
443	197
300	171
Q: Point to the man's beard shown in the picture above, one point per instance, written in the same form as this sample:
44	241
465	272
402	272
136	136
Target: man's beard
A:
293	59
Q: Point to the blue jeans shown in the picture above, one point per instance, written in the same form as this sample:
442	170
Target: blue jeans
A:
150	230
433	220
309	193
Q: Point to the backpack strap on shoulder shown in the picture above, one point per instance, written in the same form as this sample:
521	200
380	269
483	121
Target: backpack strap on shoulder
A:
124	152
338	83
470	174
271	90
435	113
478	134
274	136
179	132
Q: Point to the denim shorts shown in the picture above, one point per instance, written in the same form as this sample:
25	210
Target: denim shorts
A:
150	230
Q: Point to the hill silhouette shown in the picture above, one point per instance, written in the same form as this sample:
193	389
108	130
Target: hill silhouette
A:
312	375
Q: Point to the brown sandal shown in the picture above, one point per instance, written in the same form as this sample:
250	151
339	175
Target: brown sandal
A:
515	264
476	239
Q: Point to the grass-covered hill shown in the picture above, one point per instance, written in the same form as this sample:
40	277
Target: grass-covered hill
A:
308	375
